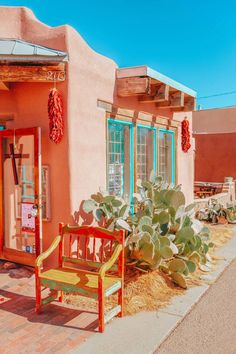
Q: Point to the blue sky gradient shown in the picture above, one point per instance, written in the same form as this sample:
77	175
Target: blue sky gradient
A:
193	42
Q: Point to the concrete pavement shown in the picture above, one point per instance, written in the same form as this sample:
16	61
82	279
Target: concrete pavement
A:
210	328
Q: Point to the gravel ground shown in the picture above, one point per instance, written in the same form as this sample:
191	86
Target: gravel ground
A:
210	328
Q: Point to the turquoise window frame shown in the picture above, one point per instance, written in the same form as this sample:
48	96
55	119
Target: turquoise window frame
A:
154	143
131	141
155	153
172	133
2	127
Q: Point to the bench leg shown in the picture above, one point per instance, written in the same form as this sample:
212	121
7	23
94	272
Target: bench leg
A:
60	298
38	294
101	306
120	301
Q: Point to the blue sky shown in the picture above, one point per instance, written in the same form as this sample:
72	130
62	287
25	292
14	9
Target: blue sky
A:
193	42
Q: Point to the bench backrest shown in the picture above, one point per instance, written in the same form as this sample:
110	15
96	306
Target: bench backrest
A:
89	246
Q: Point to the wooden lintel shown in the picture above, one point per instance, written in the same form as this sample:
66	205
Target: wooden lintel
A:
4	86
22	73
137	116
161	94
132	86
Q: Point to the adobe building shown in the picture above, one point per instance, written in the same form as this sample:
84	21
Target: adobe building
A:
119	124
215	153
215	135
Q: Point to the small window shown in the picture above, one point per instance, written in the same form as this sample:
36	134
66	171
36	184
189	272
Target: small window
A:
166	165
146	151
120	158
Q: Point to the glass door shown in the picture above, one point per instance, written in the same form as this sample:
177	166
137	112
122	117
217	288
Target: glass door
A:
20	175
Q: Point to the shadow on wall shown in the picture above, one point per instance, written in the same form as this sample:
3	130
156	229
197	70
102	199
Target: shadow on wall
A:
81	218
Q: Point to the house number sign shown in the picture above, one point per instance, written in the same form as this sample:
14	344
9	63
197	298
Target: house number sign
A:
56	76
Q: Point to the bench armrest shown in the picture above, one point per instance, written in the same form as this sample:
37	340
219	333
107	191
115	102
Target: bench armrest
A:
45	254
106	266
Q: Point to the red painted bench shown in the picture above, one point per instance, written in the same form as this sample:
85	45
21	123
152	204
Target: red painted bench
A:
90	263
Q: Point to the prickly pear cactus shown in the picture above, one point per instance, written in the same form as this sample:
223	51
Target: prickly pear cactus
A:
161	232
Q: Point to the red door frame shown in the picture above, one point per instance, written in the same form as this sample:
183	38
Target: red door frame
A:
8	253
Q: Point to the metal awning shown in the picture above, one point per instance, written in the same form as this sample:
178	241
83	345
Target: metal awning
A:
20	51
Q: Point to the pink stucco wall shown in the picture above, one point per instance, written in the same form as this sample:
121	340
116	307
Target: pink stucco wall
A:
78	163
215	133
185	161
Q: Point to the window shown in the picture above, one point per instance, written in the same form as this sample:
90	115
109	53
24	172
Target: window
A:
154	149
25	190
120	158
166	154
146	151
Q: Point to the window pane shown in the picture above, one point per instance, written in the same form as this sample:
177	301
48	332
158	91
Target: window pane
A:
118	159
146	155
166	158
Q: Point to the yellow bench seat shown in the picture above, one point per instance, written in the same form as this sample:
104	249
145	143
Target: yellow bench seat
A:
75	280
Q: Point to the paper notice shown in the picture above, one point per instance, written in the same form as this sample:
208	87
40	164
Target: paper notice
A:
27	220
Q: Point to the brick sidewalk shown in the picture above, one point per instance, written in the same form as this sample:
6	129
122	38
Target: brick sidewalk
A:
58	329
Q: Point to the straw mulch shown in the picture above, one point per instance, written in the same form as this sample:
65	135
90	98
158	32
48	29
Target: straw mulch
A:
154	290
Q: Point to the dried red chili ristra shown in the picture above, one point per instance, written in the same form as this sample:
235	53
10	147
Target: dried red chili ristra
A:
185	139
55	115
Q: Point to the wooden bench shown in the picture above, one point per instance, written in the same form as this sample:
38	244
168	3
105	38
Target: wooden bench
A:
90	263
203	194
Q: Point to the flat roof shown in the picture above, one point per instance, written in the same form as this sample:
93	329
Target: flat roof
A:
153	74
12	49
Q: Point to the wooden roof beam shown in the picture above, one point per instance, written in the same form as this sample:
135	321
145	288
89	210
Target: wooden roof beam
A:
190	104
159	94
132	86
22	73
176	100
